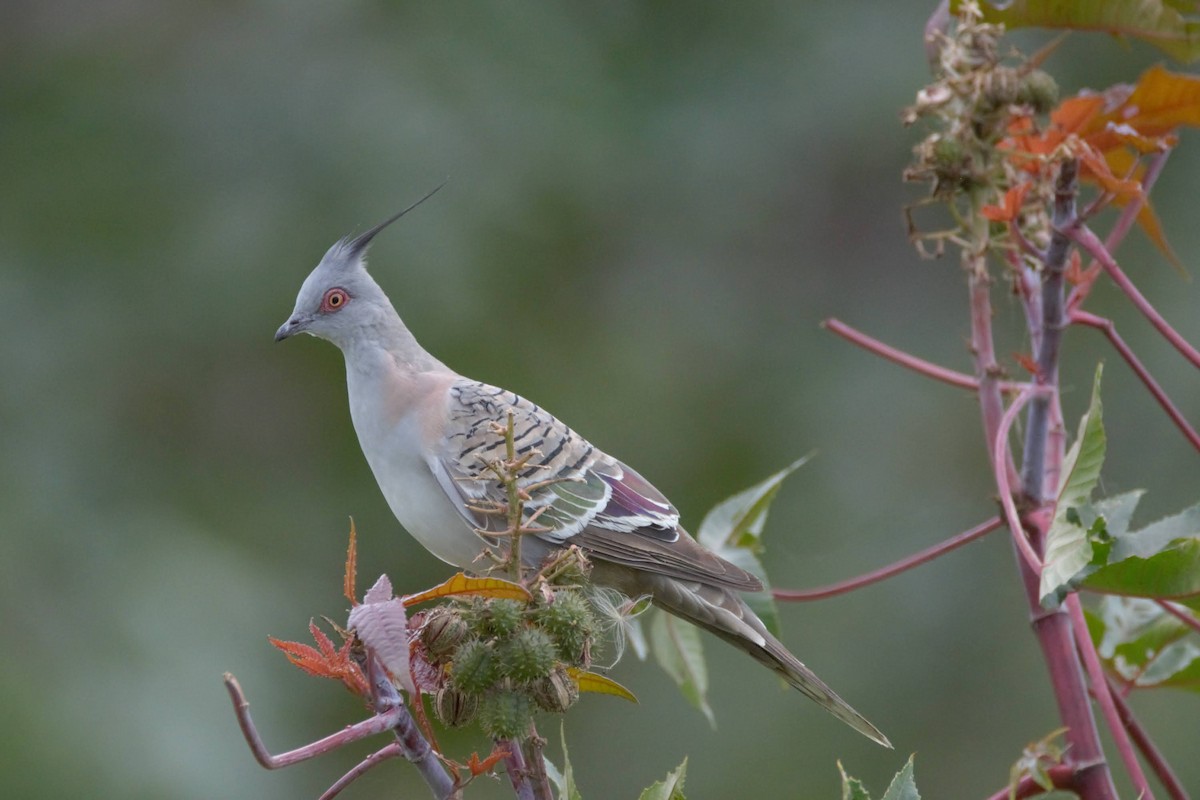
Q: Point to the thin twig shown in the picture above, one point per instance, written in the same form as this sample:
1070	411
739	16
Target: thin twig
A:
907	360
352	733
1107	327
1182	616
1120	735
895	568
392	750
1086	239
1005	489
1162	770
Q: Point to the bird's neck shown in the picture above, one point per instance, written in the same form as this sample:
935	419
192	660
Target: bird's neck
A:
386	342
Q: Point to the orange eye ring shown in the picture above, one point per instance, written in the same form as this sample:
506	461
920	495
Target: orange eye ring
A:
333	300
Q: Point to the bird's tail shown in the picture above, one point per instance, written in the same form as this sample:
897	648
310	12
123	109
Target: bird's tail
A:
725	614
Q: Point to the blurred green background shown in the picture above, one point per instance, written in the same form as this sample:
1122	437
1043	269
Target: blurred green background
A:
651	207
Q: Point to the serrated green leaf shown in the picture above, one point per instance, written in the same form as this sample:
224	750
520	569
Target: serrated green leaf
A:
1171	573
1177	666
1163	24
677	647
1069	555
1158	536
563	781
1147	646
852	788
733	530
671	788
903	786
738	520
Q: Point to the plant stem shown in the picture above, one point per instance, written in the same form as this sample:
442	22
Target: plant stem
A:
1154	758
1062	776
1100	691
1033	471
1041	457
904	359
895	568
1085	238
1106	327
1053	629
1182	616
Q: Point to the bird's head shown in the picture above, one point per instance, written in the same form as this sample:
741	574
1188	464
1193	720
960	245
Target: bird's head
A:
339	299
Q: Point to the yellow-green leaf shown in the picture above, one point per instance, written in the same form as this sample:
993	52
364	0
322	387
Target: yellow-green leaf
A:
461	585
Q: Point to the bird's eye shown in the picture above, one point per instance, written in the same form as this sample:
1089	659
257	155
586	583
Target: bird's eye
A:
334	299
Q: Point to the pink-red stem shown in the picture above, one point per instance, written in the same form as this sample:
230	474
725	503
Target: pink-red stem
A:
1182	616
1154	758
1085	238
1062	776
895	568
1106	327
907	360
1091	661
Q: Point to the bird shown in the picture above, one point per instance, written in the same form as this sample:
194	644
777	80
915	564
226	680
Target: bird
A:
428	434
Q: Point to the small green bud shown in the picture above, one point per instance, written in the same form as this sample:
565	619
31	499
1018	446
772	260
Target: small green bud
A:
455	708
557	692
506	715
1039	91
443	631
527	656
474	669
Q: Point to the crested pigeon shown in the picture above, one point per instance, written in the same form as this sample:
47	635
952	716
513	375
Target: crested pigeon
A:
429	433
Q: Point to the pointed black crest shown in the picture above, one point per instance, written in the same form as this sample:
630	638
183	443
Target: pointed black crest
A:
358	245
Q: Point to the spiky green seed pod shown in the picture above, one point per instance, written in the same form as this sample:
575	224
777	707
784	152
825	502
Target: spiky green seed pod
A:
506	715
455	708
443	631
528	655
474	669
557	692
1039	91
570	622
495	618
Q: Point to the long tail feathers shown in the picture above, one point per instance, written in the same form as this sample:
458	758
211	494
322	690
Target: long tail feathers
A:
725	614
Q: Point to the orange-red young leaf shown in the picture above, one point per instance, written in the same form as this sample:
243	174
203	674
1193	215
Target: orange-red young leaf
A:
1010	208
591	682
479	766
351	566
1157	105
1097	168
325	660
1027	363
460	584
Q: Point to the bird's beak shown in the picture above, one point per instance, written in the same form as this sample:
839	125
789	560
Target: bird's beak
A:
293	326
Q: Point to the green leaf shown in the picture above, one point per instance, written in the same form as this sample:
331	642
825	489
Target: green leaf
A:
676	645
738	521
852	788
1162	23
563	781
1174	572
903	786
733	530
1145	645
671	788
1069	555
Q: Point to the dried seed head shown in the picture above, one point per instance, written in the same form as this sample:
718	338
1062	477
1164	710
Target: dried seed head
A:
557	692
455	708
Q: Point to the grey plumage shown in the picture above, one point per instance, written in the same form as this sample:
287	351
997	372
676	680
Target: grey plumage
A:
429	435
